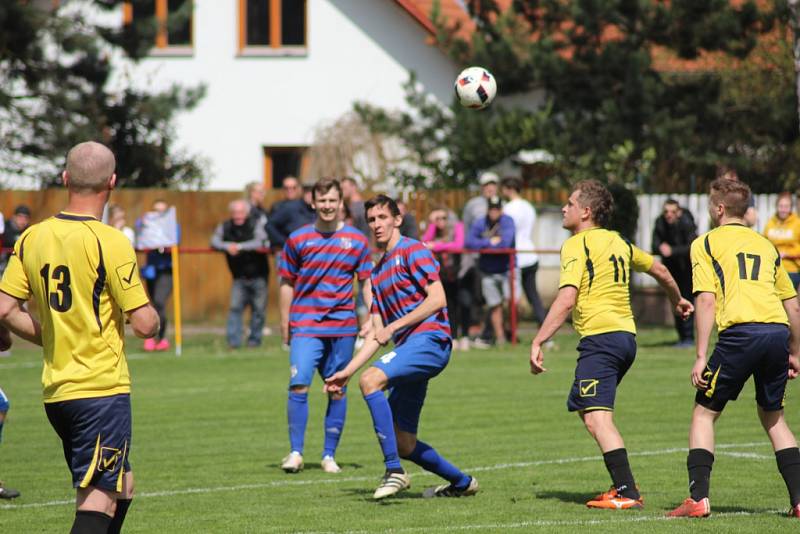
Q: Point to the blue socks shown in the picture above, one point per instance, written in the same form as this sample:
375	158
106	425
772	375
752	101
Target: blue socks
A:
383	423
427	458
334	423
297	412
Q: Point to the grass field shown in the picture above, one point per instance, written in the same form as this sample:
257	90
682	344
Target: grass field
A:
209	432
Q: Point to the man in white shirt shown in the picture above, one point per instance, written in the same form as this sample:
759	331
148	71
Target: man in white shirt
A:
524	215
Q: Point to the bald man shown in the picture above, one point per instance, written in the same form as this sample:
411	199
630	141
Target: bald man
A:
83	276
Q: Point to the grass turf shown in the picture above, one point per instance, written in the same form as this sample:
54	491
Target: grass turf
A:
210	430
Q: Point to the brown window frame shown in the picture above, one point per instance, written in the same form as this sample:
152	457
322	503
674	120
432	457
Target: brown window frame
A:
161	45
275	47
269	150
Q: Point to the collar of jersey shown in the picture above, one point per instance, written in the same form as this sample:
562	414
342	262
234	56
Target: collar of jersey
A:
74	217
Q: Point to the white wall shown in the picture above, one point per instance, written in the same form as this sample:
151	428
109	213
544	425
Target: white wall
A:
357	50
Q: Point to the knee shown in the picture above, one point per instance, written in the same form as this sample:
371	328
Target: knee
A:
372	380
298	389
406	443
596	422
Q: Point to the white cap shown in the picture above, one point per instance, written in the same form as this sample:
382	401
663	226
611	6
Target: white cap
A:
488	178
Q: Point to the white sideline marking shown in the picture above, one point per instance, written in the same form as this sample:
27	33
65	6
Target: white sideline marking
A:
305	482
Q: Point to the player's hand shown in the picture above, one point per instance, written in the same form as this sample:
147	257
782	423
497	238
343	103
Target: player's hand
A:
684	308
5	338
794	366
537	359
383	335
336	382
699	369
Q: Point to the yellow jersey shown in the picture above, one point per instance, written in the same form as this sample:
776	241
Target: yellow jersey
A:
599	264
785	235
82	275
744	271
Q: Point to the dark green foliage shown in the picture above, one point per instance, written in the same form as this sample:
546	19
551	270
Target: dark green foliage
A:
59	89
625	216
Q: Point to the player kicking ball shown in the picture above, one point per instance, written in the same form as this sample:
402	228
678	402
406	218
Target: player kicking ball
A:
317	268
596	269
739	281
409	308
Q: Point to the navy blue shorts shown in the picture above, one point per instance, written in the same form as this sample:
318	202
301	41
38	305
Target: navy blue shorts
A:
96	436
409	367
325	354
760	350
603	359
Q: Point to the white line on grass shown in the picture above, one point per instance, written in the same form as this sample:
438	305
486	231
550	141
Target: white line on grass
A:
304	482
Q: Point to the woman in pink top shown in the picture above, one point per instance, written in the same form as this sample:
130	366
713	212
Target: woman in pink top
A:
445	237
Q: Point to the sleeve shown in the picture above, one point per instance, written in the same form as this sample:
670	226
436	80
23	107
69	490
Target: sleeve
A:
658	234
259	236
422	266
456	244
430	231
573	263
290	261
474	240
275	227
507	233
783	284
364	261
217	242
641	261
702	270
122	271
15	282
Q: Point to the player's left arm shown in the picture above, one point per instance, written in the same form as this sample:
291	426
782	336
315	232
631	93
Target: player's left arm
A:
682	306
337	381
19	320
434	301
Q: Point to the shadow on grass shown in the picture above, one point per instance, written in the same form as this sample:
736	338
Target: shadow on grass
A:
366	494
662	344
316	467
564	496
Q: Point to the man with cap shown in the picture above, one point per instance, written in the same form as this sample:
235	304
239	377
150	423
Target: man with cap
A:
494	231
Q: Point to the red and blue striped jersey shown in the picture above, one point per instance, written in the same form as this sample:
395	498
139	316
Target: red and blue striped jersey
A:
321	267
398	286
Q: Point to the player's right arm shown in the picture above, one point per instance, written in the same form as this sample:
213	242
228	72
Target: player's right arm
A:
288	271
705	307
144	321
286	298
19	320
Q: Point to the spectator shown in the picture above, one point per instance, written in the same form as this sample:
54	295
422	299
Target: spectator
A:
290	214
524	216
445	237
255	192
783	230
355	204
476	207
751	215
157	273
242	239
408	226
672	237
14	227
116	219
495	230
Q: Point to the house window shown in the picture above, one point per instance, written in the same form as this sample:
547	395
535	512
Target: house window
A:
280	162
172	19
266	25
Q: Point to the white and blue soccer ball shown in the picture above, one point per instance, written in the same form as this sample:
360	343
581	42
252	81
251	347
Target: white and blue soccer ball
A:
475	87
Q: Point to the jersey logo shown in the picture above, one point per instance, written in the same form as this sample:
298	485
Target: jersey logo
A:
588	388
128	276
568	265
388	357
108	459
347	243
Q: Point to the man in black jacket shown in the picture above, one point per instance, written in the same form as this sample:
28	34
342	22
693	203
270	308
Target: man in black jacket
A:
287	216
241	238
673	234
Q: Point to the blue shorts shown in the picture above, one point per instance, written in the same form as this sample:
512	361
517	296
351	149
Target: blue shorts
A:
761	350
96	436
325	354
4	404
603	359
409	367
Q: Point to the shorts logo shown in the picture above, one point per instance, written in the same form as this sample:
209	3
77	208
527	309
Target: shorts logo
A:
293	371
109	457
347	243
388	357
588	388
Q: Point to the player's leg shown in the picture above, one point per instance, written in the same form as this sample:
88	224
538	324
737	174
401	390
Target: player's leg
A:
339	352
124	500
304	357
406	401
259	311
5	493
787	454
233	329
372	383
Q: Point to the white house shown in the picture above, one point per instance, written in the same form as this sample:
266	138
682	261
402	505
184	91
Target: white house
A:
277	69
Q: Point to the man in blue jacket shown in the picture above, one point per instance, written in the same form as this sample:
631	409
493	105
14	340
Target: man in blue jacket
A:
496	230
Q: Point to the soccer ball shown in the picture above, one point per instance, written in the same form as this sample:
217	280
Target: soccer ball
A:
475	87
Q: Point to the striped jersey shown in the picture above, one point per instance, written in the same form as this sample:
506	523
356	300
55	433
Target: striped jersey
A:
82	275
398	286
321	268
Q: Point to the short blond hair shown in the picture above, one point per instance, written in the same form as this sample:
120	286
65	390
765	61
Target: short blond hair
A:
733	194
90	165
